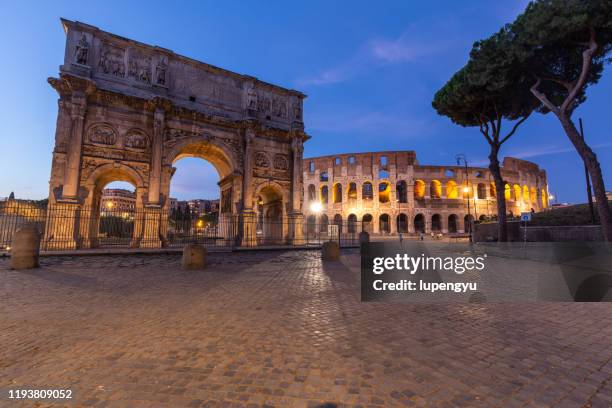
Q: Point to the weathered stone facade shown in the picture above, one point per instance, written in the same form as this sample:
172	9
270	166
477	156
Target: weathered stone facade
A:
128	111
397	194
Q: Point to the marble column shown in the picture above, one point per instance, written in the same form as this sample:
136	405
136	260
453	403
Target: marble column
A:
73	159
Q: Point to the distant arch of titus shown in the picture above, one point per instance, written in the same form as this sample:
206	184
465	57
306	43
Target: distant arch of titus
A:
128	111
390	192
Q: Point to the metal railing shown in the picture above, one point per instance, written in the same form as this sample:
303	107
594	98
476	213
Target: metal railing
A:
67	227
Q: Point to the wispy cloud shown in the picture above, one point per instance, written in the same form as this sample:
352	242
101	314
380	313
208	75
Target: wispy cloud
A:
414	44
539	151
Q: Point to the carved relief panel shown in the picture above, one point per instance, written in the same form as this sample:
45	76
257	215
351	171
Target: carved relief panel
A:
102	134
112	60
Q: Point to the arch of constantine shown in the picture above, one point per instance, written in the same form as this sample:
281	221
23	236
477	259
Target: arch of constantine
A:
390	192
127	111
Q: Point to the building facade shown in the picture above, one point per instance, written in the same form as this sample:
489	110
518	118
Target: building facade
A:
390	192
117	200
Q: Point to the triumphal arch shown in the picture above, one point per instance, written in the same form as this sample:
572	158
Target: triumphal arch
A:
127	111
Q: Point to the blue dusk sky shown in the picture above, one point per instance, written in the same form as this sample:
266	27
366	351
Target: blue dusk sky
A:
370	70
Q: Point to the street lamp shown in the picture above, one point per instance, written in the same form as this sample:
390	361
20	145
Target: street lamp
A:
461	157
316	207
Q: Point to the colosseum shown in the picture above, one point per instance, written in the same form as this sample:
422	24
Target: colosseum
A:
390	193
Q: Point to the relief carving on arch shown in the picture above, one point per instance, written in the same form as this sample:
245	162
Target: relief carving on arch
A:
112	61
261	160
102	134
281	162
136	140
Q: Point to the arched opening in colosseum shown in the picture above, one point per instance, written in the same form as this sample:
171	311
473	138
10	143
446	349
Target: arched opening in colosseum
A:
384	224
508	192
402	223
451	190
338	222
419	189
533	195
324	195
323	223
419	223
481	191
544	198
384	192
312	193
435	189
452	223
448	173
493	189
367	192
366	223
113	217
402	191
482	218
525	194
352	191
468	221
311	225
352	224
517	193
436	223
323	177
270	206
383	171
337	193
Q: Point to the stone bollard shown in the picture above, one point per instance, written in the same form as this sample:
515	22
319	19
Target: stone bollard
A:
364	238
194	257
25	248
330	251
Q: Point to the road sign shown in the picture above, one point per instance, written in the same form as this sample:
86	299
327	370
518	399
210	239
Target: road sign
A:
526	216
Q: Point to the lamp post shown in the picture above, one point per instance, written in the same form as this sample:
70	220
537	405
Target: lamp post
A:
461	157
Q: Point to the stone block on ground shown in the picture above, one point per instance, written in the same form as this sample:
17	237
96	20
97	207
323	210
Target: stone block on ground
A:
25	248
194	257
330	251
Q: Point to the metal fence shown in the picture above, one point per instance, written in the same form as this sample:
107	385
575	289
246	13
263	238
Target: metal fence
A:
65	227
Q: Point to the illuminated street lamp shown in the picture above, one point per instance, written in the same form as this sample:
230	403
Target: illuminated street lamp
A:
316	207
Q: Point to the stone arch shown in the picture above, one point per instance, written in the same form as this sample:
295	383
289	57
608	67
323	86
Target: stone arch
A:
468	220
338	221
402	191
219	154
507	192
452	191
352	224
419	223
384	224
435	189
384	192
436	223
271	200
533	195
481	191
366	223
493	189
311	224
517	193
452	223
367	192
419	189
323	223
352	191
402	223
544	198
95	183
324	194
337	193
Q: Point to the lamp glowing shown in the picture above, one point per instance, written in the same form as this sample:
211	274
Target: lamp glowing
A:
466	189
316	207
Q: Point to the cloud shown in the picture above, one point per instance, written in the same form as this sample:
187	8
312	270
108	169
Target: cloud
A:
540	151
416	43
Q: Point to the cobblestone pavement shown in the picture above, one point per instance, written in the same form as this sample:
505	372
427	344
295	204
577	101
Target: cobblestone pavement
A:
281	329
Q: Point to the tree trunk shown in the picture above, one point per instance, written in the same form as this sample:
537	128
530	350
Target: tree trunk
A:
500	196
590	160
